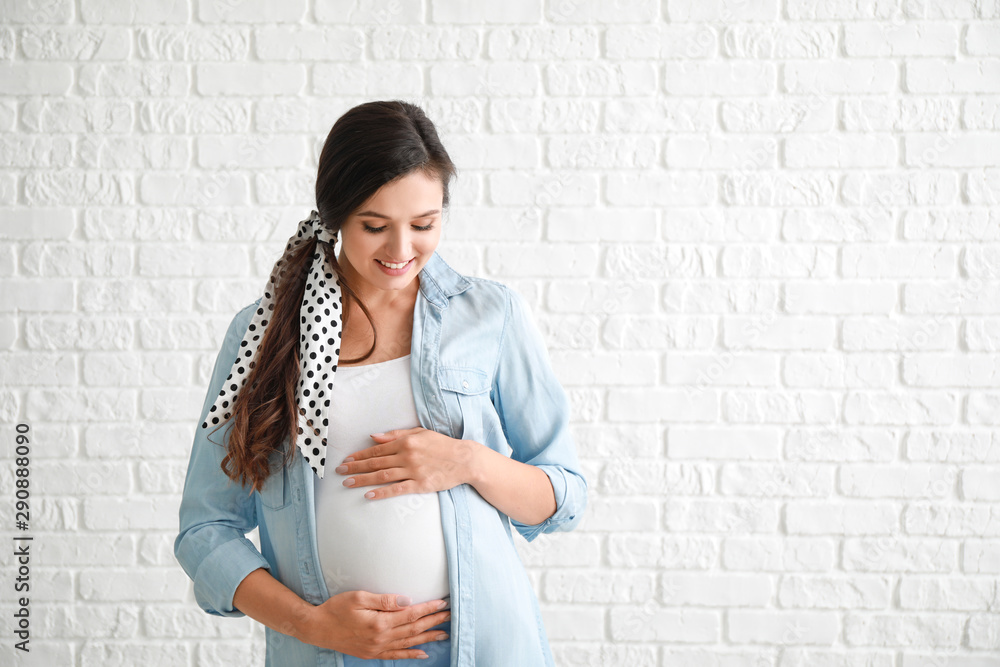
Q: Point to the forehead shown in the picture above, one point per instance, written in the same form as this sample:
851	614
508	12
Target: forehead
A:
407	196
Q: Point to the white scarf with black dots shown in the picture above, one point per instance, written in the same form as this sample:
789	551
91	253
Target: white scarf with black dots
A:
319	345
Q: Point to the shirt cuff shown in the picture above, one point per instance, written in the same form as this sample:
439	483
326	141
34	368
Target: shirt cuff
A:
565	512
221	572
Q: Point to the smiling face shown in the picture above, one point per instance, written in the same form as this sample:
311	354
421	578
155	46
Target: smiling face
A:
399	225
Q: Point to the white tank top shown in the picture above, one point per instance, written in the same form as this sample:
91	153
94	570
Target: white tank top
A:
387	545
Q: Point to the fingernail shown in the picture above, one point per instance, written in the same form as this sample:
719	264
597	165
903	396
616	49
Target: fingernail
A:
422	656
403	600
341	469
442	604
376	434
370	494
349	482
348	459
441	636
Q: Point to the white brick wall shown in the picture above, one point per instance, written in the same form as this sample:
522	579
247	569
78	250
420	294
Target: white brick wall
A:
760	236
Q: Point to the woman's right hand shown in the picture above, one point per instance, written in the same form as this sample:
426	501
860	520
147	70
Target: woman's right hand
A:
370	625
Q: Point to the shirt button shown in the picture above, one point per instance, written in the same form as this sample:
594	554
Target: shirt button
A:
465	384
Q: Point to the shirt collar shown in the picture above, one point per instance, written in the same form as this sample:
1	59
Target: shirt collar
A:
438	281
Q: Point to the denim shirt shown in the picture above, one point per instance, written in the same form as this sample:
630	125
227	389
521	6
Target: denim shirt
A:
479	371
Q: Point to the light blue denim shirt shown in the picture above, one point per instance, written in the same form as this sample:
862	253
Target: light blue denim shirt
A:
481	372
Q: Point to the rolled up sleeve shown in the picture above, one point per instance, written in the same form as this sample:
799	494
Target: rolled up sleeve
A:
216	512
534	413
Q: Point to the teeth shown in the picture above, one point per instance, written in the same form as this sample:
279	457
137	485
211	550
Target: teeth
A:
393	266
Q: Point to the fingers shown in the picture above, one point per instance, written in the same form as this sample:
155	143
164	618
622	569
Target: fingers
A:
382	601
368	465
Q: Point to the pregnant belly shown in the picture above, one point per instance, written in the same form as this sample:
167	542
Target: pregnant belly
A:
389	545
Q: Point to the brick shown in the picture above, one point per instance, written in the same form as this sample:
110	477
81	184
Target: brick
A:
778	554
626	11
951	520
287	43
632	405
912	481
896	39
720	10
36	78
37	296
249	79
53	11
675	552
381	78
116	80
719	78
939	76
723	443
844	297
835	77
776	40
980	594
714	296
795	480
982	39
893	408
699	152
590	586
18	368
782	627
500	79
715	590
835	592
650	188
845	518
967	150
912	114
193	43
134	11
808	114
79	44
982	446
903	630
36	223
892	553
944	370
844	151
650	623
600	78
413	42
777	189
720	516
745	369
651	477
403	12
518	11
660	42
784	261
626	331
981	556
909	334
839	445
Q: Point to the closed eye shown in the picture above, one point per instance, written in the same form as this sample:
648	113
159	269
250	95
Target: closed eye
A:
376	230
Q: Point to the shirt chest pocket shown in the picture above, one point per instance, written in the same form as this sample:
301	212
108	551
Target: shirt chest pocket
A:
466	393
274	492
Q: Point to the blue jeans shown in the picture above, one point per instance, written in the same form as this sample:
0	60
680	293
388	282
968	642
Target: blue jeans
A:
438	654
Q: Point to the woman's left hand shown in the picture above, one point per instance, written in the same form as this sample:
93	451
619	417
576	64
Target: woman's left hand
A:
411	460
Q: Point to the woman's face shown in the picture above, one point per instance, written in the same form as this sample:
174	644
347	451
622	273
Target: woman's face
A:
399	225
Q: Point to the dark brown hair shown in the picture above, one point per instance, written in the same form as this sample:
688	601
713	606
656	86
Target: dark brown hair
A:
370	145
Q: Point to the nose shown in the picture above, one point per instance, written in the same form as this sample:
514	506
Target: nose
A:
398	244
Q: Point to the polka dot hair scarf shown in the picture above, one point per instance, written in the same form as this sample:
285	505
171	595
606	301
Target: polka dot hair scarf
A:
319	345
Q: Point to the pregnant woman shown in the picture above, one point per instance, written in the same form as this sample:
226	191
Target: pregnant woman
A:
383	420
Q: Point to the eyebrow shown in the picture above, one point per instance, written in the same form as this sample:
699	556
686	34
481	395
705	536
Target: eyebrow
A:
373	214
